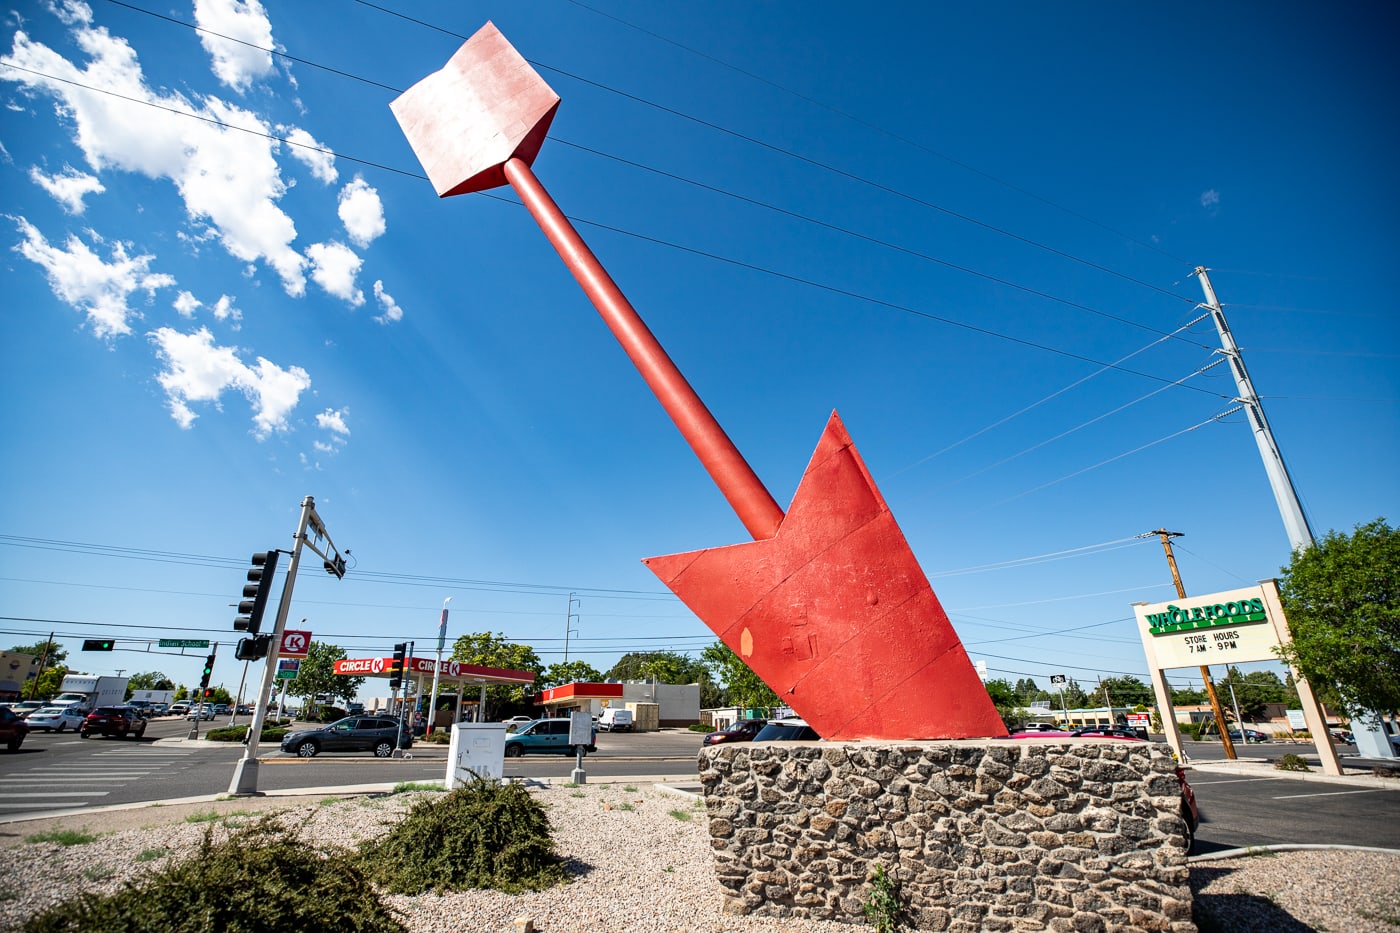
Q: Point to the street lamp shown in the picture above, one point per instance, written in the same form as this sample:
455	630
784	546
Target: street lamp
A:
437	668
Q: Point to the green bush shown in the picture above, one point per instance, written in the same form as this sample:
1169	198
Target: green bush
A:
237	733
437	737
1291	762
264	877
700	727
481	835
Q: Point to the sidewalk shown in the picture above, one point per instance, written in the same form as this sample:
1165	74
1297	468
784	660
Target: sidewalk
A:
1356	772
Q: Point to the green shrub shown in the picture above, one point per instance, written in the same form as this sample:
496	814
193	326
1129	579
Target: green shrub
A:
700	727
261	879
438	737
1292	762
270	734
64	837
884	909
481	835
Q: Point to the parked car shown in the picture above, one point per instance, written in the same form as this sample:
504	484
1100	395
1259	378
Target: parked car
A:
792	729
1041	727
615	720
1252	737
515	723
353	734
1343	736
741	731
178	709
546	736
13	729
1107	732
118	721
23	708
55	719
202	711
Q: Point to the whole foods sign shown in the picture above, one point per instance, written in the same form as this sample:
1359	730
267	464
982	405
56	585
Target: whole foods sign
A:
1221	628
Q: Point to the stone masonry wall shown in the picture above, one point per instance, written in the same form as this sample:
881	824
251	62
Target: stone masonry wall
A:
1041	834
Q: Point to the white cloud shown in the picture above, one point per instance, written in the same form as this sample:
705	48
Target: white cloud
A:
334	420
1210	199
235	64
68	187
334	267
186	304
362	212
316	155
198	371
224	310
228	179
79	277
392	311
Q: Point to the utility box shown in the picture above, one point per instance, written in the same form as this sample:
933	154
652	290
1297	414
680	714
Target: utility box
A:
477	750
646	717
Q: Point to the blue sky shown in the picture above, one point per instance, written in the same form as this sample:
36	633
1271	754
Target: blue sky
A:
940	221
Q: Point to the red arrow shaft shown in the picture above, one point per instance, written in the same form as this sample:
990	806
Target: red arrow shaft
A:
747	495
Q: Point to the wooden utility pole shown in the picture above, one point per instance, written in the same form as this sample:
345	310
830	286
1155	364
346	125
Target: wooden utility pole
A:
1220	723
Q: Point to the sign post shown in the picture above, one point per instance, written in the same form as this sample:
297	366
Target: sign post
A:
1232	627
580	735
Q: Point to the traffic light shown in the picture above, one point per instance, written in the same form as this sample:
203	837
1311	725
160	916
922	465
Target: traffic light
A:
396	666
335	568
208	692
208	672
255	592
98	644
253	649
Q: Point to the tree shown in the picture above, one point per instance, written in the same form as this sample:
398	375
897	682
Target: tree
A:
487	650
668	667
1342	598
742	687
316	675
1128	691
567	673
1008	705
154	680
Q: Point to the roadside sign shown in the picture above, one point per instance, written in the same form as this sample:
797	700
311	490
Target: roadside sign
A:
183	643
295	644
287	668
1057	680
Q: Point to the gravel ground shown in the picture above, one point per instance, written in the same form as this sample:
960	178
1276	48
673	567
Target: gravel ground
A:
644	866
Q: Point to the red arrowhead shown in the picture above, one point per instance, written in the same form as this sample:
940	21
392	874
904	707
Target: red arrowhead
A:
835	614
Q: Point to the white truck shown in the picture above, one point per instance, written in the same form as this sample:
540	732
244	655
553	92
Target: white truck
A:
88	692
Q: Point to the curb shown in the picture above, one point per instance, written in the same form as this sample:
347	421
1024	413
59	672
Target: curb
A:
1251	851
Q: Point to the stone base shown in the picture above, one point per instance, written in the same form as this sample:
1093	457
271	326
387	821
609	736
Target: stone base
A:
1040	834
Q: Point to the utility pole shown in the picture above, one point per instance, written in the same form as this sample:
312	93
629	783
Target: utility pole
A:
1166	537
1235	702
437	669
1108	704
43	662
1300	536
569	617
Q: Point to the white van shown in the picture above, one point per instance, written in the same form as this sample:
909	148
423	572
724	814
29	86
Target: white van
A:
615	720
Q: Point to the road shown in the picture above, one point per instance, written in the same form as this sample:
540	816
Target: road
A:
53	773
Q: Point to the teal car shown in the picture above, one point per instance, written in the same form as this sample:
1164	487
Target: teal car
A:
545	736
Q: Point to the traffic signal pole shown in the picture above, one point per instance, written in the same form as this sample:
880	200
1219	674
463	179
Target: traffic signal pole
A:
245	773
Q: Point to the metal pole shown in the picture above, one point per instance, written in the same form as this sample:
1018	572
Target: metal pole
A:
744	491
1234	701
1215	707
1108	704
233	714
568	623
245	773
437	669
1299	534
43	662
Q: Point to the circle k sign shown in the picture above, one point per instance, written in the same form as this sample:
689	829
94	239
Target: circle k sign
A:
295	644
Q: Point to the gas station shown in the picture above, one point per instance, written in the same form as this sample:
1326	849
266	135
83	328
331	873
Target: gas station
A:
453	676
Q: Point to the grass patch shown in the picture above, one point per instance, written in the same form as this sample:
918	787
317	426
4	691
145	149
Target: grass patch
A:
98	874
64	837
327	801
258	879
409	787
630	789
214	816
570	784
625	806
682	815
1292	762
578	794
481	835
150	855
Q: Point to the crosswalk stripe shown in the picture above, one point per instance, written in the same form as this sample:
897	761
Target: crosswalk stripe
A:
60	793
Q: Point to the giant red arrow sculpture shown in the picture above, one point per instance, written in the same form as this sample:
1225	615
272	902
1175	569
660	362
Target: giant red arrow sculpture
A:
827	604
